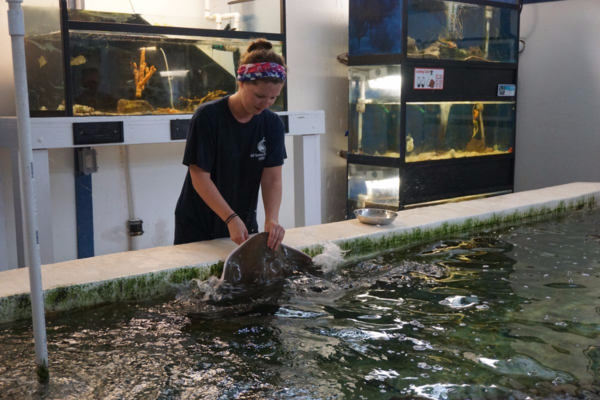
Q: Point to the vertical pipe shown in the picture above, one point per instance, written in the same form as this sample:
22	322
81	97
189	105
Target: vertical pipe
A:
16	26
18	204
489	11
449	9
207	12
360	108
133	241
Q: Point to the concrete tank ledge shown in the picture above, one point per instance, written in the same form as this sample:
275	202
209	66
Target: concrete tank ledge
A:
153	272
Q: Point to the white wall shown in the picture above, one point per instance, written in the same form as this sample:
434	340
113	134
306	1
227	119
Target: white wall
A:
256	15
558	112
317	31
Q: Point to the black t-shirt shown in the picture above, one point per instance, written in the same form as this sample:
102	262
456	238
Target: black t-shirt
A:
234	154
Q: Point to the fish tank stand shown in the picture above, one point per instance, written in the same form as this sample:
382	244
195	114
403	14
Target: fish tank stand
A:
432	111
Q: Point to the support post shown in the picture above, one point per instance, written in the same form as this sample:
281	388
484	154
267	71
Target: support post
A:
16	26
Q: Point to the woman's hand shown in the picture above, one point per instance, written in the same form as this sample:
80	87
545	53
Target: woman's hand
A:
276	233
237	230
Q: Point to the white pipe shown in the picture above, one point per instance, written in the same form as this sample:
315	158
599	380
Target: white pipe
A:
207	13
218	18
489	13
168	76
360	107
16	27
236	19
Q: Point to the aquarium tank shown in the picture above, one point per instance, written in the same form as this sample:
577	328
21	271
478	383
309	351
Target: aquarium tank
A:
437	131
375	110
446	30
374	27
139	61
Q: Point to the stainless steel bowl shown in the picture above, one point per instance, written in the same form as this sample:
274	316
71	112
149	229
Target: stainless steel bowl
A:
375	216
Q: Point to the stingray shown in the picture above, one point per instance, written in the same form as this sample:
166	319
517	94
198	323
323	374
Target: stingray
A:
254	279
254	263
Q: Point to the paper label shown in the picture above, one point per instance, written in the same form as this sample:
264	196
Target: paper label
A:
429	79
507	90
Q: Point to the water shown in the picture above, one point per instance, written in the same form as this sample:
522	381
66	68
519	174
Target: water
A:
512	313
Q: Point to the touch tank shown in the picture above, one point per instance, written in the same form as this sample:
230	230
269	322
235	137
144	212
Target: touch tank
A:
432	118
138	61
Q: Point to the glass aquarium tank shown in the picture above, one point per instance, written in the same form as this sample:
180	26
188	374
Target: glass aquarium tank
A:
131	63
373	186
437	131
375	111
374	27
45	77
447	30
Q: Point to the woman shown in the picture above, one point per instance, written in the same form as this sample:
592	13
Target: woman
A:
235	146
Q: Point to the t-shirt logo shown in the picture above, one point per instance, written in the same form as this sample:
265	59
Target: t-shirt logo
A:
262	150
262	147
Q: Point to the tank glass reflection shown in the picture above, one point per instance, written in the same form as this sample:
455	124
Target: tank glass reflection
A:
44	55
246	16
437	131
375	27
372	186
448	30
375	111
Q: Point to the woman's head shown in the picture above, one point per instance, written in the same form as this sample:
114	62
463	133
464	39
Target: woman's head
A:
261	76
261	63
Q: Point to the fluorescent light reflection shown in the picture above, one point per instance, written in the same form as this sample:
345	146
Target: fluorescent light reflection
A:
390	82
389	186
173	74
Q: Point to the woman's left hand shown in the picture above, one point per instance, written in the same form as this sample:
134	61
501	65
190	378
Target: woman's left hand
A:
276	233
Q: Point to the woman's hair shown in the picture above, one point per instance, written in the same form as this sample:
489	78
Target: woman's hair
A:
260	50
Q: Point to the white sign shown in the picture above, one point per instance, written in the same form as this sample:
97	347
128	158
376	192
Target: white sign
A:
429	79
507	90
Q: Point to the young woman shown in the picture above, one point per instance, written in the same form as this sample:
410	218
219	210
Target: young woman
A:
235	145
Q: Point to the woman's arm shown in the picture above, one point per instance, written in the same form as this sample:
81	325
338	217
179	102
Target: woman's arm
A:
207	190
271	184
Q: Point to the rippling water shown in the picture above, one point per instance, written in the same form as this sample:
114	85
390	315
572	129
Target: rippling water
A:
512	313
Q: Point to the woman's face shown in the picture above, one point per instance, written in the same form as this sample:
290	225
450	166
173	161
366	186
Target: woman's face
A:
260	96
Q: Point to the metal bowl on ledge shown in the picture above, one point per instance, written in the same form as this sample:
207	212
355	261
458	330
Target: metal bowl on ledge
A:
375	216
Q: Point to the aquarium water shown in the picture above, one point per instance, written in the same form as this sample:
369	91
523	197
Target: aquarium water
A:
509	313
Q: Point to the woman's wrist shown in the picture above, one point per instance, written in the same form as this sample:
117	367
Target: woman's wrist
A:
230	218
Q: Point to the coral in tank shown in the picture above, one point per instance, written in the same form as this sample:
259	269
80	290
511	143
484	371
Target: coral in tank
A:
142	74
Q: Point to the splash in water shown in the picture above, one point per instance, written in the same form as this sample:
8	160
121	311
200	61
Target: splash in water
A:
331	258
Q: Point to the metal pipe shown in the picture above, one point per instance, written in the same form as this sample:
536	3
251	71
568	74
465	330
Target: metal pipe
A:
16	27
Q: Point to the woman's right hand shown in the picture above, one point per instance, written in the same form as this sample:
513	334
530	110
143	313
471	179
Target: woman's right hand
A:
237	230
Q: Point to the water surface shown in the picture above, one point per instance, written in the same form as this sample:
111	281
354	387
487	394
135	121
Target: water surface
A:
510	313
